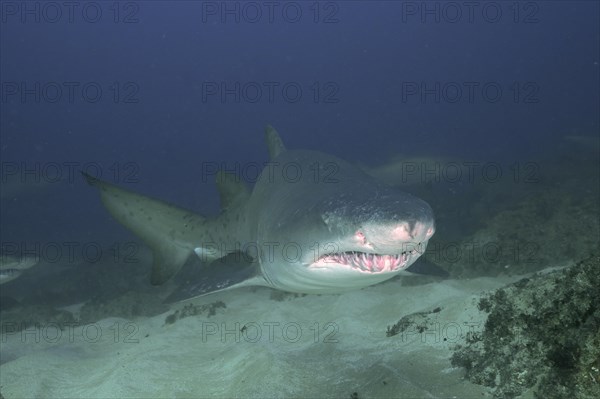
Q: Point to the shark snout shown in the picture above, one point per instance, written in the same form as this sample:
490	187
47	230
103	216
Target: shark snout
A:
418	231
397	237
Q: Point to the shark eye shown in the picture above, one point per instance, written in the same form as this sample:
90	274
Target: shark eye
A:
360	236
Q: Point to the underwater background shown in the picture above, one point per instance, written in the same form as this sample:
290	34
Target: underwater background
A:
489	111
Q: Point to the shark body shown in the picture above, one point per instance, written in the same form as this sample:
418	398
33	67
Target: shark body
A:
12	267
313	223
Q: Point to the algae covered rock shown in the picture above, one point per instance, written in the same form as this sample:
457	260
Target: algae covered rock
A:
542	334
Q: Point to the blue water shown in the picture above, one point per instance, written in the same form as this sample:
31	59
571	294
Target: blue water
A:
155	95
360	67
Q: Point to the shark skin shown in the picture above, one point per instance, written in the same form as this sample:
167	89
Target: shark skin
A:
313	223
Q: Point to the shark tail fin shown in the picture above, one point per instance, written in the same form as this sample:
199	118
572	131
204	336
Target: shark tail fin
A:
168	230
274	143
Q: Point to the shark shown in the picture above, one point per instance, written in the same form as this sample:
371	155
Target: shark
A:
312	223
12	267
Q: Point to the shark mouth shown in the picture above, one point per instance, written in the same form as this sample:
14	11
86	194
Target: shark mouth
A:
368	262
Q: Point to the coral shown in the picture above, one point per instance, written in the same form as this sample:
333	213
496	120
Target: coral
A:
542	333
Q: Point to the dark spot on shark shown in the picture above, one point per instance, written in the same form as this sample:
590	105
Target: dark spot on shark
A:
149	218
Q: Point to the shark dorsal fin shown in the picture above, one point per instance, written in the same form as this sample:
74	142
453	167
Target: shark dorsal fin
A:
231	188
274	142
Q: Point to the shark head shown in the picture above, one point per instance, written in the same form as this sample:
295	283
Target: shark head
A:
351	234
383	235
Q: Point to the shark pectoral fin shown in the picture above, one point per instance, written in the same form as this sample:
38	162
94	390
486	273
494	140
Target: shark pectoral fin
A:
170	231
232	271
168	260
426	267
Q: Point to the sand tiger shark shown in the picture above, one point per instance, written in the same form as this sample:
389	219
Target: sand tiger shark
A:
12	267
313	223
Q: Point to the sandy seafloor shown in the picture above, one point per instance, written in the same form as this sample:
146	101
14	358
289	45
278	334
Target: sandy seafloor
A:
351	355
323	345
